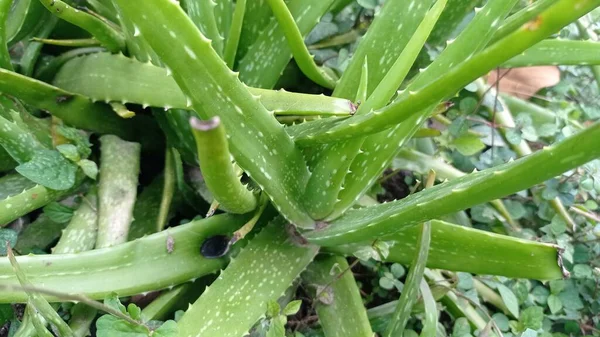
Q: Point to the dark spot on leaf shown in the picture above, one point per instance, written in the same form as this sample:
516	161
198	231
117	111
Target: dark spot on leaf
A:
64	98
215	247
170	244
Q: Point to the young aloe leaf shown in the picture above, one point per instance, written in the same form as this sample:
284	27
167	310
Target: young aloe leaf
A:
380	149
329	172
223	16
104	32
117	189
396	20
159	308
202	13
555	52
81	319
127	269
18	141
454	13
217	169
474	251
38	302
267	57
109	77
146	210
233	38
71	108
80	234
431	311
39	234
410	291
320	75
24	18
238	298
461	193
4	55
522	17
338	303
259	143
26	201
33	49
557	16
256	19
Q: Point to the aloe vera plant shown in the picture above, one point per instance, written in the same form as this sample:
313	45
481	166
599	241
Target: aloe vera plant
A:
175	116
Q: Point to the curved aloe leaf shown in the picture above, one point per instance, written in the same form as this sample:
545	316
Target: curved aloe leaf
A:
267	57
556	17
108	77
238	298
259	143
117	189
461	193
202	13
233	38
410	291
71	108
24	18
26	201
4	55
127	269
18	141
104	32
328	174
322	76
470	250
555	52
338	303
217	169
380	149
431	311
256	18
397	20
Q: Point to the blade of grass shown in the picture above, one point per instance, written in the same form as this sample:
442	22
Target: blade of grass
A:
410	291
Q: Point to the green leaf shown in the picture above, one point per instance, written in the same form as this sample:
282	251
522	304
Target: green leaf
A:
468	145
556	286
292	307
529	333
276	329
167	329
9	236
558	224
509	298
69	151
110	326
89	168
58	213
114	302
134	311
459	126
513	136
368	4
397	270
547	130
461	327
501	321
531	318
50	169
386	283
554	303
273	309
582	271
